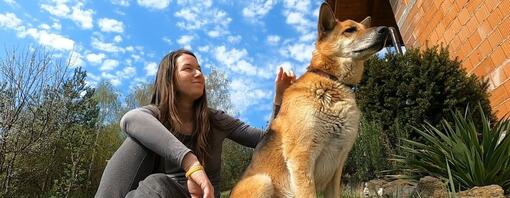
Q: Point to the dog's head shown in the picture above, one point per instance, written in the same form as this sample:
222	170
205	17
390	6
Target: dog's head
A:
346	44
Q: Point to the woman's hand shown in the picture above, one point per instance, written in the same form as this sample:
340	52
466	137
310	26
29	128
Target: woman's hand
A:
283	80
199	185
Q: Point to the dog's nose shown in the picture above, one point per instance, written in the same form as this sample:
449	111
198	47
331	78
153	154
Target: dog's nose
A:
382	30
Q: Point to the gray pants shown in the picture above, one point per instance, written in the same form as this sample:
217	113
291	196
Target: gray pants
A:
131	173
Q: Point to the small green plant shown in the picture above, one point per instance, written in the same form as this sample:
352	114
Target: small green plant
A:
450	180
235	160
369	155
475	155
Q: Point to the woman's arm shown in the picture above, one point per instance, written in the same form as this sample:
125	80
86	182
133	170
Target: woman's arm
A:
141	125
237	130
243	133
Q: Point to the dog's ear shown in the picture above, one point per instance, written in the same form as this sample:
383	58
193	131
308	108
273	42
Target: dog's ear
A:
327	19
367	22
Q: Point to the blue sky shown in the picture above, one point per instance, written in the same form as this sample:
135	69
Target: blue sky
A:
123	40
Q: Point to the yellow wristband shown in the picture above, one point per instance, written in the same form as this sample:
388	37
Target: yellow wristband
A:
194	169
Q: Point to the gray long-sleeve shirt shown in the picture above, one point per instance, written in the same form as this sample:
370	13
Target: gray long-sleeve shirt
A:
142	125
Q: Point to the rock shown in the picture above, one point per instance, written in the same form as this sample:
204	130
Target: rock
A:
431	187
372	188
398	188
492	191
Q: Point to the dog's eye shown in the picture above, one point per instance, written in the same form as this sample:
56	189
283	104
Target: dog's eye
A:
351	30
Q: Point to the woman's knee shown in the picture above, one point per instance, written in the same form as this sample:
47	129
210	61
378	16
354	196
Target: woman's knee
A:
159	184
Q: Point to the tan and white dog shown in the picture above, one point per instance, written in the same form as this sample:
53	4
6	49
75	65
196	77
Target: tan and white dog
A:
304	151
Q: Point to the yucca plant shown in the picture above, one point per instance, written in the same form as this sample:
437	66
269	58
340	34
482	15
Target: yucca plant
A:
476	155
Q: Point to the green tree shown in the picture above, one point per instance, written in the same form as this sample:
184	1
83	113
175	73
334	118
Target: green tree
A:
108	136
30	80
48	121
235	158
77	136
108	102
217	88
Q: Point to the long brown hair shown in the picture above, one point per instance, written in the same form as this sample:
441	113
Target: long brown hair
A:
164	97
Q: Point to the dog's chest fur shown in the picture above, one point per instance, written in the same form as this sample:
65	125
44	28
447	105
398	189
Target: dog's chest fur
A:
332	127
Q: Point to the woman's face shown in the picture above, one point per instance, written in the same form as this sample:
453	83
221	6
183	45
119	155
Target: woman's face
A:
189	79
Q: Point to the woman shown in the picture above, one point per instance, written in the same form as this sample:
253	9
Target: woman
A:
173	148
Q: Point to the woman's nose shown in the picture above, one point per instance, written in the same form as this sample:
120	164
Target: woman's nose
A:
198	73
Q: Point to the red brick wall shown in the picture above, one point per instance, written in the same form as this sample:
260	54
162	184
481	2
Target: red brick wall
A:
477	32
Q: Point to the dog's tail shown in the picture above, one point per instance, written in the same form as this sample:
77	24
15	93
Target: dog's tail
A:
256	186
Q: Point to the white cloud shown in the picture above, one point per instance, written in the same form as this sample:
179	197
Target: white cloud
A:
204	48
56	26
190	17
246	67
299	5
92	79
10	2
200	15
120	2
111	25
109	64
258	9
244	94
76	60
117	38
229	57
298	15
128	72
42	35
185	41
167	40
136	57
273	39
107	47
237	61
116	77
301	52
151	69
45	26
60	9
308	37
202	3
154	4
10	20
213	33
95	59
115	82
45	38
234	39
82	17
297	19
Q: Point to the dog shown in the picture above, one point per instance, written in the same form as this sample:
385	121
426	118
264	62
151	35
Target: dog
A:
305	149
